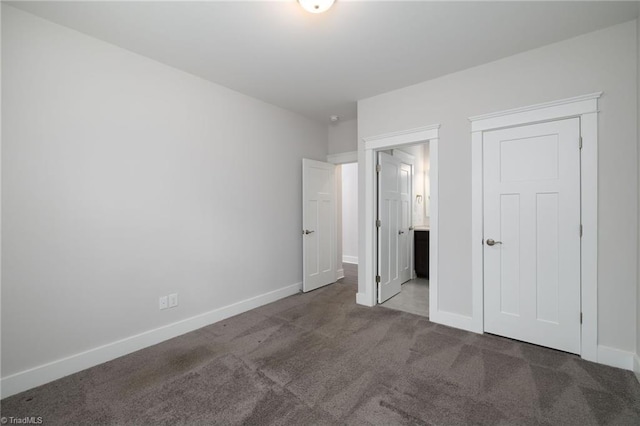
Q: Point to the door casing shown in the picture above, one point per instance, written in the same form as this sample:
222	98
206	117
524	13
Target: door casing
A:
586	109
367	150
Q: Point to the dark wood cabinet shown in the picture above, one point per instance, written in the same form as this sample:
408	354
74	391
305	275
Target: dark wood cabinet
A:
421	254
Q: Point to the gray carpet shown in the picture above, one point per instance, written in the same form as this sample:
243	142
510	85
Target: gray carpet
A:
318	358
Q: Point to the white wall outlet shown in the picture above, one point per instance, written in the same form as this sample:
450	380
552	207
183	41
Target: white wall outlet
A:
163	302
173	300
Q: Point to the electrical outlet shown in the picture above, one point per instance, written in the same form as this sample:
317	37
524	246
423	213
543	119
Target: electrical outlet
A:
173	300
163	302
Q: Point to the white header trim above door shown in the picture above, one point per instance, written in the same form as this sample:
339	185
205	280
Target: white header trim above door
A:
585	107
569	107
404	137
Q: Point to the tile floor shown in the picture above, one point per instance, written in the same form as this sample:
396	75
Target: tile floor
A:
413	298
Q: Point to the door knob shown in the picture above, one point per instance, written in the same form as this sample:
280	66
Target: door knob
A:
400	232
307	232
490	242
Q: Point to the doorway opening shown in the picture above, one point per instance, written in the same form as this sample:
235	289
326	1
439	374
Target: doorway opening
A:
346	184
412	234
370	151
348	213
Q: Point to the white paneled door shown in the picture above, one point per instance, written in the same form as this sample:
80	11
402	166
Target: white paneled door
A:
319	224
394	220
532	233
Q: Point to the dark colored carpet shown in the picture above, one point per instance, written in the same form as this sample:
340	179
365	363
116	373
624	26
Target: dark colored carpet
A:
318	358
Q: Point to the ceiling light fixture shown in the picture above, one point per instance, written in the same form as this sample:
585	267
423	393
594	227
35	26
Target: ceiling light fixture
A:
316	6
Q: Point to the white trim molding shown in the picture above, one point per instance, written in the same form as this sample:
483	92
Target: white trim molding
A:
367	149
586	108
350	259
403	137
615	357
636	366
343	158
46	373
563	108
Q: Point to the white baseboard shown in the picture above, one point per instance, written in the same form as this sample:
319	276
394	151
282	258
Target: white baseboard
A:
636	366
455	320
46	373
350	259
339	274
615	357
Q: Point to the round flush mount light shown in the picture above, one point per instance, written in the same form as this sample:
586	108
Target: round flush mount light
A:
316	6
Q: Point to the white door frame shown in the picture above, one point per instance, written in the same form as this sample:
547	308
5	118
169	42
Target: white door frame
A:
367	149
586	109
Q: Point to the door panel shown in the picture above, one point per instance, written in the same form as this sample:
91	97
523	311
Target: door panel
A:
548	255
532	209
319	224
510	256
527	159
404	240
312	258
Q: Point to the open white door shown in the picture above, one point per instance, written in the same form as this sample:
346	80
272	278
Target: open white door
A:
532	233
319	224
389	226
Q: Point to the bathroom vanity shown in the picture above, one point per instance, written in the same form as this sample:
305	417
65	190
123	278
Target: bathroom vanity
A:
421	251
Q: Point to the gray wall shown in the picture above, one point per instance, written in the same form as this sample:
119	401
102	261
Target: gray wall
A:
343	136
124	180
600	61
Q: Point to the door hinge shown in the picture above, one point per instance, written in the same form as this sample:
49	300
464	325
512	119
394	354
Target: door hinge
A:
378	223
378	167
377	278
580	143
580	230
580	317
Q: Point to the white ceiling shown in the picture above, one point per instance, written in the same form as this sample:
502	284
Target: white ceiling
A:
320	65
